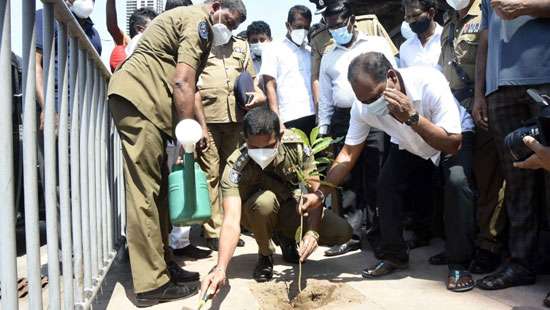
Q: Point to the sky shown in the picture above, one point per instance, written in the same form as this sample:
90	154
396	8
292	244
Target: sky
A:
272	12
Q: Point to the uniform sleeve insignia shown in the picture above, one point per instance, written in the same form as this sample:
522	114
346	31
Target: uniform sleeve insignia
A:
203	30
240	163
234	176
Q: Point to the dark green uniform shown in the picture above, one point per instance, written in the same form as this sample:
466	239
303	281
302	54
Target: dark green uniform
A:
223	116
270	196
140	100
459	42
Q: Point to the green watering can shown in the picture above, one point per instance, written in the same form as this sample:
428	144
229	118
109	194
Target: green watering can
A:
188	197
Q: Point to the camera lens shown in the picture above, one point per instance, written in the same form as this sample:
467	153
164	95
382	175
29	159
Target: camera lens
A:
514	142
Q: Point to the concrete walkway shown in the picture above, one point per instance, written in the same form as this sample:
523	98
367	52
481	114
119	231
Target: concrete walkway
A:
420	287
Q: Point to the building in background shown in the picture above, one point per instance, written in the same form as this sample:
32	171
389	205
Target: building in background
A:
132	5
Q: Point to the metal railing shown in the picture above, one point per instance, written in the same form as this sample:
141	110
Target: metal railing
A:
83	191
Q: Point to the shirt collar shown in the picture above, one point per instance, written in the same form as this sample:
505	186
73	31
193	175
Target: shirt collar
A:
293	45
361	37
411	91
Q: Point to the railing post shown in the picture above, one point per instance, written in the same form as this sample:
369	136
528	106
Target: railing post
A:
30	173
64	181
85	86
78	71
91	175
7	220
50	158
97	173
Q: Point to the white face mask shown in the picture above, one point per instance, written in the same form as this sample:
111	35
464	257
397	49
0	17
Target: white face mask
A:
379	107
83	8
406	31
263	157
257	48
221	33
298	36
458	4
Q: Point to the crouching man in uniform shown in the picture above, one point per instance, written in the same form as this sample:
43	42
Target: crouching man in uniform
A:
260	191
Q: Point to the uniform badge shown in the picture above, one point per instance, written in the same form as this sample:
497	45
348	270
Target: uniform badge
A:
203	30
234	176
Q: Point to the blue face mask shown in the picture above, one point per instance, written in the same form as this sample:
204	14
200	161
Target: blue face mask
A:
341	35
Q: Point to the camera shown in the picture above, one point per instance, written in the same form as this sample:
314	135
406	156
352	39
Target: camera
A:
538	128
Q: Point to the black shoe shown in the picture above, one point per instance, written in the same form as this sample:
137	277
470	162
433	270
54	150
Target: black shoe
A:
546	301
213	244
241	243
484	262
166	293
352	245
192	251
439	259
382	268
181	276
289	249
509	275
263	271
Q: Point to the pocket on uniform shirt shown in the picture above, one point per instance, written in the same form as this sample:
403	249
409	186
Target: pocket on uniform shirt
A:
467	48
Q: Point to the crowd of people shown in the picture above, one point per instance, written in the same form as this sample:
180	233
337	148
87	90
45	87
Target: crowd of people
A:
424	148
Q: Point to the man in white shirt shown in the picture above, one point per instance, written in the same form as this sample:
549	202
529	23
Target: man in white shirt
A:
336	99
416	108
286	70
424	48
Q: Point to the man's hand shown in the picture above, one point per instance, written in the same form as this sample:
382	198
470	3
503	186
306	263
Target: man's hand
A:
310	201
252	101
213	282
399	104
479	112
202	145
508	9
308	245
539	160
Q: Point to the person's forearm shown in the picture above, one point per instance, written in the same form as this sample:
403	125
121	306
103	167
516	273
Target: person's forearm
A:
112	23
271	92
260	96
437	137
184	96
314	219
316	92
536	8
341	168
39	81
481	65
230	232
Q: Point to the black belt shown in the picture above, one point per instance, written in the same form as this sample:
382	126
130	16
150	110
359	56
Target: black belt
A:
464	93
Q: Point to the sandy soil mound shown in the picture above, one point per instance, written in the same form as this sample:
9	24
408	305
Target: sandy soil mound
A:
317	294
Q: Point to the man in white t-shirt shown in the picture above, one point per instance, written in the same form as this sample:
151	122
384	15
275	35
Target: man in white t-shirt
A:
286	71
424	48
416	108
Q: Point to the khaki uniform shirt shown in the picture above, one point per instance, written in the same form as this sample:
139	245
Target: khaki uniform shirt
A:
459	42
225	63
243	177
322	40
182	35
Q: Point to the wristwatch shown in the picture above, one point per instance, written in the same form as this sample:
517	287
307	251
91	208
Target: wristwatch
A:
321	195
413	120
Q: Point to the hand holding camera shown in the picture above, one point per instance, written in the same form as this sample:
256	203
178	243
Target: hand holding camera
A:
539	160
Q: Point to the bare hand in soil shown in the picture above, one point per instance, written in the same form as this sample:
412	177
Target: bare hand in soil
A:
308	245
213	282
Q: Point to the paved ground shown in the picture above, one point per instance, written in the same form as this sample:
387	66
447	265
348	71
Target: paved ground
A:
420	287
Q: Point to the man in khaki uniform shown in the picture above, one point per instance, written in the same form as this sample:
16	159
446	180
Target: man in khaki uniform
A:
260	192
151	91
459	42
222	118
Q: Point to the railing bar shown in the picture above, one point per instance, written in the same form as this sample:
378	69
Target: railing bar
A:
78	69
104	174
64	180
108	178
97	160
7	220
52	229
91	174
30	173
85	86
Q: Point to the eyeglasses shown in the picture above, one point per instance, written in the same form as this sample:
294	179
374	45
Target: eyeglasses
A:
340	25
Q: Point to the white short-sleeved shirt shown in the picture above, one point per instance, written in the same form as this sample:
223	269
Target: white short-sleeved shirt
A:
290	66
335	88
412	53
430	93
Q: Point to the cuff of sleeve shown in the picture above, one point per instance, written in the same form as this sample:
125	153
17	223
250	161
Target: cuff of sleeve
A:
323	129
350	141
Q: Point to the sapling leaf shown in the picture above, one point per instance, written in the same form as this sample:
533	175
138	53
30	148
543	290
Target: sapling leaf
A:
313	135
321	145
302	136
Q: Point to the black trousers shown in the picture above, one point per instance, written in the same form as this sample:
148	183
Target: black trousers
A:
364	175
402	170
305	124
